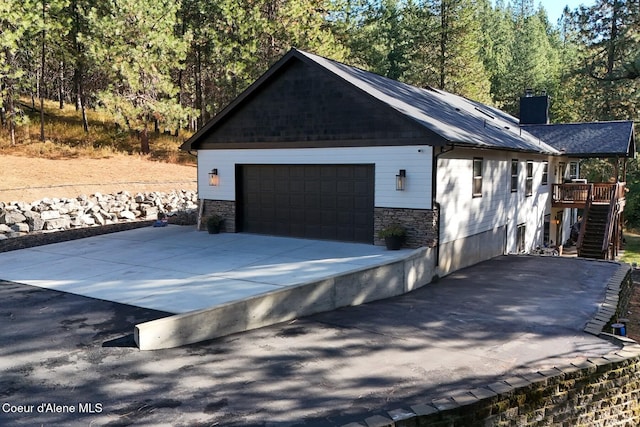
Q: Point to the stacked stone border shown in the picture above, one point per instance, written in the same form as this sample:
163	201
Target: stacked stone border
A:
601	391
87	216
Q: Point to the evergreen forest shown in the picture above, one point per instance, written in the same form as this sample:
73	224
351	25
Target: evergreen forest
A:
167	65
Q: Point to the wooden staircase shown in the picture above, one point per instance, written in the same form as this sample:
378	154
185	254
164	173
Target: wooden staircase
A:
600	230
595	232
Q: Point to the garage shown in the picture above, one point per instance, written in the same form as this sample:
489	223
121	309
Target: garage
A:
333	202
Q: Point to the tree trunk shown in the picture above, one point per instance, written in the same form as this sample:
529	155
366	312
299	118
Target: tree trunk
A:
144	140
444	27
611	48
44	10
3	116
11	114
79	95
85	122
198	83
9	103
76	87
61	85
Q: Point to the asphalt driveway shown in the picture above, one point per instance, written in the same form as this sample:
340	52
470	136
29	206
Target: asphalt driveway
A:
507	316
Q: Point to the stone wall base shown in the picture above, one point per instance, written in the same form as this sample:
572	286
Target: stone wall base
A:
421	225
225	208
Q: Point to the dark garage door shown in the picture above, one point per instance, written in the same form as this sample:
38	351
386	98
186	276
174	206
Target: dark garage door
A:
332	202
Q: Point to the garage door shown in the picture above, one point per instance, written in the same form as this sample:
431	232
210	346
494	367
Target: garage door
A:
332	202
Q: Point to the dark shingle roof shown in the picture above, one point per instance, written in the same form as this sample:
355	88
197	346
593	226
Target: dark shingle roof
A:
455	118
597	139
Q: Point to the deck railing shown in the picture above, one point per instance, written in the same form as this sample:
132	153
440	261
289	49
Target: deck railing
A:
575	194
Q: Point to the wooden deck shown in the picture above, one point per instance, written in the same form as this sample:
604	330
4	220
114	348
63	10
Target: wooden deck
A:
574	195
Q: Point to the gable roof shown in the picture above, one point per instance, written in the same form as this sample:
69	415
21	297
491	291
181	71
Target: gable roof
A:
456	119
597	139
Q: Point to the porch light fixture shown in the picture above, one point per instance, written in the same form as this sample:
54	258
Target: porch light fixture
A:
401	180
214	179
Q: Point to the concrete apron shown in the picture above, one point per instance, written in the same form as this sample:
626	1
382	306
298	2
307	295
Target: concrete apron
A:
346	289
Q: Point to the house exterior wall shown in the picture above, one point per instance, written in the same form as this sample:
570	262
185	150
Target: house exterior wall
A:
473	228
387	160
411	207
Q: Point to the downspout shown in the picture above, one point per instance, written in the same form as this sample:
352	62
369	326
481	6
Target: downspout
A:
434	187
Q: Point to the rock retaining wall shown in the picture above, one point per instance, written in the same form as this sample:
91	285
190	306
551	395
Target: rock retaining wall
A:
19	219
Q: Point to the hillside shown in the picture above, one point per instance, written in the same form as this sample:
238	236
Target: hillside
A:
28	178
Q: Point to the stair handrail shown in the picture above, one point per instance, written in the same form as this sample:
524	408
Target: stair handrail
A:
613	207
585	215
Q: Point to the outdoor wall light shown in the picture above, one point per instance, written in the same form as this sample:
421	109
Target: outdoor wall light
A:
401	180
214	179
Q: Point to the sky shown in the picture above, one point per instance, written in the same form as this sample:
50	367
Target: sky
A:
554	8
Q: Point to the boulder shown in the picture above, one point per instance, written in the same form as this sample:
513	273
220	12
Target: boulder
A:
47	215
62	222
10	217
127	215
35	221
21	227
98	218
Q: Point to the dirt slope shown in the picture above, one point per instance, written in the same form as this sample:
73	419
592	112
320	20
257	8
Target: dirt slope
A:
29	179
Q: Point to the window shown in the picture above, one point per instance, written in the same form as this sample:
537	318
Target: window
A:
529	183
477	177
521	233
545	173
514	175
573	170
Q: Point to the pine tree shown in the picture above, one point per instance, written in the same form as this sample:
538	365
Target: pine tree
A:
136	45
609	33
497	43
461	68
532	61
19	21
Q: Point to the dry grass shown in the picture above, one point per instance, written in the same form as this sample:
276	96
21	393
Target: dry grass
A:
65	137
28	179
71	162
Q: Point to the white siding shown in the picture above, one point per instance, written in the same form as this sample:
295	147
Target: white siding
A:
463	215
416	160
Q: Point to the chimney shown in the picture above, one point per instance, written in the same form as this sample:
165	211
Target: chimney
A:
534	109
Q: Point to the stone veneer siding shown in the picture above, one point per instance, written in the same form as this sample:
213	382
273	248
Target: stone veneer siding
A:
225	208
602	391
421	225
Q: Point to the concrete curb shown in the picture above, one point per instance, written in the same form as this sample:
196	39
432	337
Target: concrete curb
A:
347	289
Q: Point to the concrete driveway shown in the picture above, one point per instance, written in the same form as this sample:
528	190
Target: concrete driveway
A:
504	317
178	269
